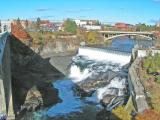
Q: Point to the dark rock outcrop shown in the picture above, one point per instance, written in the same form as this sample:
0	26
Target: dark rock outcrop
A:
90	85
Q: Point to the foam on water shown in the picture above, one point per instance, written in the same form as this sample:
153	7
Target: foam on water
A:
77	75
116	83
88	64
99	54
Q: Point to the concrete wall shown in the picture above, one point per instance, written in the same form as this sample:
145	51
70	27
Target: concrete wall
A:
136	88
143	53
5	78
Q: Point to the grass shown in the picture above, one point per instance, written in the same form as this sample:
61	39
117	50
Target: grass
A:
130	106
152	86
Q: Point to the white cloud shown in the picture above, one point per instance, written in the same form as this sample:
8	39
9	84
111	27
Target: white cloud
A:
156	0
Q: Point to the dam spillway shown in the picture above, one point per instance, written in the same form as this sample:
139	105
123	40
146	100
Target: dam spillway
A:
116	56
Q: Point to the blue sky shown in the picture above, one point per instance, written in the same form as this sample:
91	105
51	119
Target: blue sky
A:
110	11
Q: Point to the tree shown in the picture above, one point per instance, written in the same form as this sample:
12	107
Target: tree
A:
70	26
144	27
91	37
18	22
26	23
148	115
98	22
121	113
38	22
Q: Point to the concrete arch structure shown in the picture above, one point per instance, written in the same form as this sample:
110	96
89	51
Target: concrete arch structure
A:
114	34
122	35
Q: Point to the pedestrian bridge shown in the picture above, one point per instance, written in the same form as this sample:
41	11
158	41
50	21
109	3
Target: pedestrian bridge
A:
108	35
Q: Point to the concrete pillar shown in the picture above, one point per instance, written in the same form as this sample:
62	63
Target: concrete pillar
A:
6	105
7	78
2	98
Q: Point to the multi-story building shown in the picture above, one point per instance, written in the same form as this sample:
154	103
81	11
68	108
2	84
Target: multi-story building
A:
88	24
5	25
124	26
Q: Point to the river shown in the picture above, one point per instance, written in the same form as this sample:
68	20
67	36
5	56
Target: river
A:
97	80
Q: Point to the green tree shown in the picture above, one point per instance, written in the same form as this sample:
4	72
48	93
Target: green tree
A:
38	22
26	23
18	22
70	26
98	22
144	27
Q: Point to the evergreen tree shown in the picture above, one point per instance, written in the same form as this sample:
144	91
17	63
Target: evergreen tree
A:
38	22
18	22
26	23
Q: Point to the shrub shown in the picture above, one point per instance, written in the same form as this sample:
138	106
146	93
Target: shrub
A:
121	113
158	78
148	115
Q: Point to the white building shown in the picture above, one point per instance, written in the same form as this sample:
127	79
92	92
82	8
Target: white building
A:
158	24
5	25
92	27
88	24
81	23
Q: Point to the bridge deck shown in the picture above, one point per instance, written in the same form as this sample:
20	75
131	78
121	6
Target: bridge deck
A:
125	32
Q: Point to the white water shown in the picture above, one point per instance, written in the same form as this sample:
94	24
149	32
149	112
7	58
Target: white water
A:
108	90
101	55
77	75
95	63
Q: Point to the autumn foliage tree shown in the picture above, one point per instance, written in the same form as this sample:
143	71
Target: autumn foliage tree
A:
92	37
148	115
121	113
20	33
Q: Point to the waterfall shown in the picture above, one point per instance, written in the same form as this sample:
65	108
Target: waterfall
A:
108	55
95	71
93	63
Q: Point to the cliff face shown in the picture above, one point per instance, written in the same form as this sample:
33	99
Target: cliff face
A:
32	78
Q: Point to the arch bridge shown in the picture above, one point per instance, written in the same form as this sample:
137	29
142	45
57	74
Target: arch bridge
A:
108	35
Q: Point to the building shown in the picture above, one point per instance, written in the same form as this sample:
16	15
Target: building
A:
5	25
92	27
88	24
80	23
47	25
58	26
158	24
124	26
